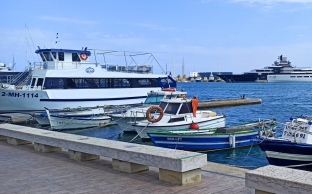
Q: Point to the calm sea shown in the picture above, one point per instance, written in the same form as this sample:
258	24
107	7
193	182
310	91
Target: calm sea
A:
280	101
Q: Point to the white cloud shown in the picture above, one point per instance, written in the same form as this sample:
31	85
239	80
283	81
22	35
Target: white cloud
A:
68	20
154	27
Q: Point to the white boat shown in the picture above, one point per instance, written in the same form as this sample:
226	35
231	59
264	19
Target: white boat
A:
63	121
125	119
6	68
281	70
178	114
211	78
284	71
294	148
43	120
198	79
66	78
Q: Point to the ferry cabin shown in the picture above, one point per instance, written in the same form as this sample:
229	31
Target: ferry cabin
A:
66	78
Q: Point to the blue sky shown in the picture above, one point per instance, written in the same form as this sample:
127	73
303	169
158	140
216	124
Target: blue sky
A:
210	35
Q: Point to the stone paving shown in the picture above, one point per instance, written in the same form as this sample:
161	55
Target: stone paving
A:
24	170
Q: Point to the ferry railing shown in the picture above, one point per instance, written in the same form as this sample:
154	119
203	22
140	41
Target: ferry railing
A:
22	77
59	65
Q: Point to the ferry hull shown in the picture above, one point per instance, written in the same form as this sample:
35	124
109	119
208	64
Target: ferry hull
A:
27	100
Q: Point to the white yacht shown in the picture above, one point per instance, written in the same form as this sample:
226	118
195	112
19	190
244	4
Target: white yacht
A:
285	72
66	78
5	68
211	78
281	70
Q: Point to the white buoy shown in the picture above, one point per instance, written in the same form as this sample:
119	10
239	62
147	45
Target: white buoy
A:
232	141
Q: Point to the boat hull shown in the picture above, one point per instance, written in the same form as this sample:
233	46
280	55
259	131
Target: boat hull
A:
290	78
252	77
216	122
200	142
287	154
63	123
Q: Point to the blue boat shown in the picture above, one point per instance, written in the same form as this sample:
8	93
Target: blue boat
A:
294	148
209	139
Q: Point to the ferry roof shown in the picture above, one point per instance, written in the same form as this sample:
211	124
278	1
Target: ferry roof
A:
63	50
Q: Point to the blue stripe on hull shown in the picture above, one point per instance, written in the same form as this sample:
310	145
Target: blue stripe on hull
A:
203	142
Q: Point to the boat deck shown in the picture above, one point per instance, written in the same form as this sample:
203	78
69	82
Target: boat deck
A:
24	170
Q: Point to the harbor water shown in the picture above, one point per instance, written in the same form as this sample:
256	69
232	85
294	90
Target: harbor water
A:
280	101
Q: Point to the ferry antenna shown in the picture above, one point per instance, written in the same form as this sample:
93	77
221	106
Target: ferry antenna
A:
56	40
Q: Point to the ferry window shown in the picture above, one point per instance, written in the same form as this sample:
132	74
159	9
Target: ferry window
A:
172	108
61	56
70	83
33	82
299	76
39	81
75	57
144	82
54	83
47	56
154	82
54	55
306	76
42	57
121	83
292	76
103	83
186	108
92	83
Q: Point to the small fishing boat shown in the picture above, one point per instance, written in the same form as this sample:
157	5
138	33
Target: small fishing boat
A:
210	139
43	120
62	121
294	148
126	119
176	114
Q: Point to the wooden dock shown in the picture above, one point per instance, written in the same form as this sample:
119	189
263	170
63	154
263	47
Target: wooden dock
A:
228	102
24	170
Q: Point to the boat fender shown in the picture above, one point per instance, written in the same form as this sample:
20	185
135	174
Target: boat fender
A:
84	56
232	141
194	126
151	118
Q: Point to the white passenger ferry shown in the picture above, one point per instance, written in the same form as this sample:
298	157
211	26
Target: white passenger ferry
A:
66	79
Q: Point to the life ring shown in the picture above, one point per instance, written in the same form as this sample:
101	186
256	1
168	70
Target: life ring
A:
169	89
84	56
154	108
